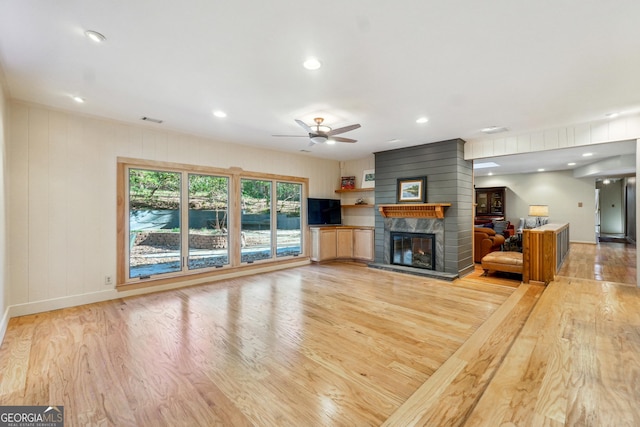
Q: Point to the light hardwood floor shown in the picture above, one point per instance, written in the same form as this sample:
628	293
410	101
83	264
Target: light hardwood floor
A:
339	344
577	360
332	344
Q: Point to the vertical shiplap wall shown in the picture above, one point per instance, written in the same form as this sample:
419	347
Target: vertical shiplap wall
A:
449	180
4	275
61	170
625	127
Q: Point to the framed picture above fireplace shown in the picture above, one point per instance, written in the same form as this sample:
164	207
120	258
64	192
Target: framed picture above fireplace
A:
412	190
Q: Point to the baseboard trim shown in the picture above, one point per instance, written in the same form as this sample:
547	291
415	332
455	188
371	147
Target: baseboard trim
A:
4	325
111	294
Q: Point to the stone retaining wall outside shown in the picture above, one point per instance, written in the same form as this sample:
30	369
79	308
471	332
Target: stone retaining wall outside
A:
172	240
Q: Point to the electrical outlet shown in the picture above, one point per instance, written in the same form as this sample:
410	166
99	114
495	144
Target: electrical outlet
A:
108	280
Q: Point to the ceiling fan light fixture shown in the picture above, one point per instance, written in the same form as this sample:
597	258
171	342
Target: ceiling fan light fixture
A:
318	139
331	141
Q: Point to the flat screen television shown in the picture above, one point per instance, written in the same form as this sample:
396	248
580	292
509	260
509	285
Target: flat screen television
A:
323	211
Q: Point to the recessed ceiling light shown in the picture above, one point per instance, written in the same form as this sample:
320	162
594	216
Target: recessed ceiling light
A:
490	174
95	36
393	141
541	170
78	99
571	164
220	114
312	64
587	155
422	120
612	115
606	181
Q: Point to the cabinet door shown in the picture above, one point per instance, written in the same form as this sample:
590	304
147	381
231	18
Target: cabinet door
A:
327	245
497	202
482	202
363	244
344	248
490	202
323	244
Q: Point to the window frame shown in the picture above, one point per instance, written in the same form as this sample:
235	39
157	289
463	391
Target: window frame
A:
235	175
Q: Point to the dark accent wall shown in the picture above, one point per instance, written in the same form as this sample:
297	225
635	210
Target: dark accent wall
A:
449	180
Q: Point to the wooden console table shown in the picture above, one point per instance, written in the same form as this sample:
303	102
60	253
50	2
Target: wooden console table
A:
543	251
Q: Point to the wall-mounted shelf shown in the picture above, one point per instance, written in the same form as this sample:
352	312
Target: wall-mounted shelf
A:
358	206
355	190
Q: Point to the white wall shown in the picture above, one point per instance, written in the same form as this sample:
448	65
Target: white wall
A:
358	216
560	190
62	193
4	284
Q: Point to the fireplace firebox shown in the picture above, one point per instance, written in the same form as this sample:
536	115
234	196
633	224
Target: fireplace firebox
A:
413	250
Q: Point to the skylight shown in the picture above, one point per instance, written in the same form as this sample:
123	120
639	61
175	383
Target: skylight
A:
485	165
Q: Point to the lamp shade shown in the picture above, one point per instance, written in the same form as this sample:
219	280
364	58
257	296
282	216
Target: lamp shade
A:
538	210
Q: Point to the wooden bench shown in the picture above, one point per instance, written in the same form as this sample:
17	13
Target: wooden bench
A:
509	262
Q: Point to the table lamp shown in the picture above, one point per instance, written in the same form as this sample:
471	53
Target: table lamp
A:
539	211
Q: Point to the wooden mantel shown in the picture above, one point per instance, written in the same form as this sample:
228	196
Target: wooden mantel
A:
414	210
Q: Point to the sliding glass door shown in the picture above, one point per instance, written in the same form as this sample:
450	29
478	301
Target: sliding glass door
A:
154	222
156	219
256	220
288	226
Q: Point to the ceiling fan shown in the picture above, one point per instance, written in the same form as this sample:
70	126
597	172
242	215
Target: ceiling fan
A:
318	135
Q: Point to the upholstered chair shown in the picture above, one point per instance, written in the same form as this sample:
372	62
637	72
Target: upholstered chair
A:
485	240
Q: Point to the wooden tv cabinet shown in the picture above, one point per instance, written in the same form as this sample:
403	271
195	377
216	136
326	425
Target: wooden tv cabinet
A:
341	242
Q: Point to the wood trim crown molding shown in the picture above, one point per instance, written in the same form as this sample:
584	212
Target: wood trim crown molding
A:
417	210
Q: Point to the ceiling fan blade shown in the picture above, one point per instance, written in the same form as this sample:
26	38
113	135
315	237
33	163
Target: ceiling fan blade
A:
342	129
341	139
304	126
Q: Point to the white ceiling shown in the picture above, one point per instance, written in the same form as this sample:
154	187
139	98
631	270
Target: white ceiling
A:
465	65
